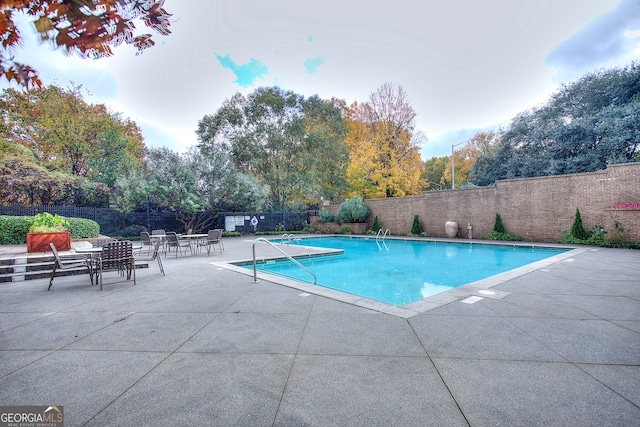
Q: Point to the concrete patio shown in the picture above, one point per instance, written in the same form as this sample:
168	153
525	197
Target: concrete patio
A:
557	344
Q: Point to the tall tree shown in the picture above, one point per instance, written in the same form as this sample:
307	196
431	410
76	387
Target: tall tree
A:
69	135
25	180
194	184
291	144
585	126
90	28
384	146
466	156
433	174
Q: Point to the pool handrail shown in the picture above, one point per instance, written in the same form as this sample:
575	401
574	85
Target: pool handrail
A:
384	233
288	237
255	270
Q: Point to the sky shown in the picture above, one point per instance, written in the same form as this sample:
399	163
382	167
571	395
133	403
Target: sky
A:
466	66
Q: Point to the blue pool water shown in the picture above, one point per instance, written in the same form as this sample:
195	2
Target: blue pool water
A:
399	272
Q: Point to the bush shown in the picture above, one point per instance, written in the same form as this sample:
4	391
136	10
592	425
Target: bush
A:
494	235
375	227
353	210
14	229
596	237
82	228
498	227
326	216
346	230
44	222
416	228
499	232
577	229
231	234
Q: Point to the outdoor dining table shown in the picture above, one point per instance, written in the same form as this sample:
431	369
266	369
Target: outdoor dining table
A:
193	238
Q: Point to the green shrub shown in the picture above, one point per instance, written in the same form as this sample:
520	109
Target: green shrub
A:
596	237
375	227
44	222
231	234
14	229
498	227
353	210
346	230
416	228
327	216
82	228
577	229
494	235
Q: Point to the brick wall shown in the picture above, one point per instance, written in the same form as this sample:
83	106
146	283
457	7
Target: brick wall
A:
538	209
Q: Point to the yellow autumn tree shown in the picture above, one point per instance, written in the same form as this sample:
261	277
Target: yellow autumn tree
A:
466	156
384	147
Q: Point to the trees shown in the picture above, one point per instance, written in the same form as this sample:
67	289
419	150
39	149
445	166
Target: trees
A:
70	136
293	145
433	172
195	185
24	180
384	147
586	125
90	28
465	157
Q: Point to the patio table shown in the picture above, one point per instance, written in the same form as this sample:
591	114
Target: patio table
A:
193	238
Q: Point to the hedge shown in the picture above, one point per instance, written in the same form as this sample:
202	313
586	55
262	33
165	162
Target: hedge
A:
14	229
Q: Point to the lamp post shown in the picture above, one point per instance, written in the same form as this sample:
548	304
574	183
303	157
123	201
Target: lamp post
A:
453	171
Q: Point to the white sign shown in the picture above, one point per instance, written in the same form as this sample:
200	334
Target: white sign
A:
230	223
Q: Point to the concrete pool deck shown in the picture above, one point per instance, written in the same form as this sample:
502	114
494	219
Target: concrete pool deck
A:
206	345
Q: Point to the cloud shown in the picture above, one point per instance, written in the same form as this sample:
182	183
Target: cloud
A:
604	40
246	74
311	64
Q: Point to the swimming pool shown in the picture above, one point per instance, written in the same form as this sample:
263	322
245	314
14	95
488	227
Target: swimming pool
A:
399	272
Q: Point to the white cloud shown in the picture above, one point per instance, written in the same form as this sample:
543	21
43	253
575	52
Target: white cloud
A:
604	41
464	65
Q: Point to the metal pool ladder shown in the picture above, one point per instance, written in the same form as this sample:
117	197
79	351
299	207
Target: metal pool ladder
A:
255	271
384	234
287	238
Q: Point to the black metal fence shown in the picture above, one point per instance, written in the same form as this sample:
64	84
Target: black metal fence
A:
130	224
250	222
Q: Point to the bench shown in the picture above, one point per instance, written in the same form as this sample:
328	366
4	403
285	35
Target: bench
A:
20	269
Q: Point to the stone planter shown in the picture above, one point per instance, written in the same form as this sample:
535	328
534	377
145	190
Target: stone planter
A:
39	242
451	228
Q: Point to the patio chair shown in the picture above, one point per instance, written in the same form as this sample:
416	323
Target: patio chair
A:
159	231
117	256
174	242
214	237
68	264
146	241
154	255
98	243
